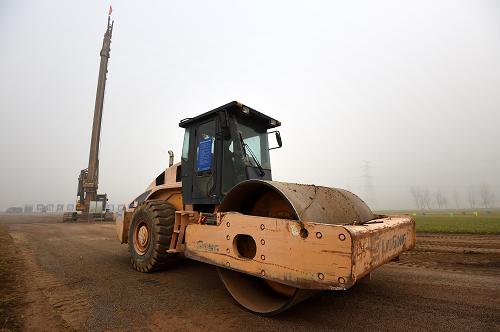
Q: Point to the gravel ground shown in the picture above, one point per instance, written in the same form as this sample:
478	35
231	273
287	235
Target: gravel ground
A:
78	277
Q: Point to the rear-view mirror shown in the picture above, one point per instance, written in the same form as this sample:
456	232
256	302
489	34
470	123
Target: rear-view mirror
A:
277	135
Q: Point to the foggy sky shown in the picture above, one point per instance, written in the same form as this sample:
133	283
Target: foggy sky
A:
411	87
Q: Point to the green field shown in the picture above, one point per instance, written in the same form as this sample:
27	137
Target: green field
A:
462	221
458	223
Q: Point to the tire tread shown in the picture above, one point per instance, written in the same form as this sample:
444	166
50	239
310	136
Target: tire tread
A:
162	216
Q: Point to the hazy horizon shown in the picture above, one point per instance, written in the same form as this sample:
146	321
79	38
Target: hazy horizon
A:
410	88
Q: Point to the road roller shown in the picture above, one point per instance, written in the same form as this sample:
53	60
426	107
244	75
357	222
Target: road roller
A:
273	243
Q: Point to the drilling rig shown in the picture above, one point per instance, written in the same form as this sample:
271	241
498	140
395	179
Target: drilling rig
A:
91	206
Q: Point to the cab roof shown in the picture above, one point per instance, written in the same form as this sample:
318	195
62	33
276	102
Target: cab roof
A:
235	108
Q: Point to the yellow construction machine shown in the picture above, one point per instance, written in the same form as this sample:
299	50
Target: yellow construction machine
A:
274	243
91	206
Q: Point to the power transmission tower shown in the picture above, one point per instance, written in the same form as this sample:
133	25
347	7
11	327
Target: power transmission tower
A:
369	188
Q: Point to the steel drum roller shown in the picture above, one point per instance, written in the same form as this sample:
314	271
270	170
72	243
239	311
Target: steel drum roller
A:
287	201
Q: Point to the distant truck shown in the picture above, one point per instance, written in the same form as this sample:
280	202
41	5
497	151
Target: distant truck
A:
14	209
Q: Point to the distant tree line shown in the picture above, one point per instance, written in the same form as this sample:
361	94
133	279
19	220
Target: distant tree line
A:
475	198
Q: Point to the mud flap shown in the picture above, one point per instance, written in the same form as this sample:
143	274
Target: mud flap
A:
122	224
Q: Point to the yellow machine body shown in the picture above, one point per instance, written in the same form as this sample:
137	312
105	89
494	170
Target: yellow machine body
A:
276	243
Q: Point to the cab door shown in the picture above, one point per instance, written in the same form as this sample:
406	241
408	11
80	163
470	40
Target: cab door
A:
205	163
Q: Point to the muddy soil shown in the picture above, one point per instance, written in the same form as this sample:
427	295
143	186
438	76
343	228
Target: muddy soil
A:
78	277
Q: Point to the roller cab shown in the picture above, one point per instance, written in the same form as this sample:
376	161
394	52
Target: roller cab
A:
222	148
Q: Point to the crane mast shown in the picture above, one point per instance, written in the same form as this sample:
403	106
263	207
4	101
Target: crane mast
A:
88	181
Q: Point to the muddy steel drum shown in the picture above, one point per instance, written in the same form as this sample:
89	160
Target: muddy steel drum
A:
286	201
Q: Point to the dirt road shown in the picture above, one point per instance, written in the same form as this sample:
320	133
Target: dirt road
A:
77	276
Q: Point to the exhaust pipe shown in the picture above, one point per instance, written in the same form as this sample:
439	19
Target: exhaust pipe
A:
170	158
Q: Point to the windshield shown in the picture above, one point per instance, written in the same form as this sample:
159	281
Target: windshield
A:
256	141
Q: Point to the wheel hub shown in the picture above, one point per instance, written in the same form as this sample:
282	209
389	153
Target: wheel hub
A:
141	238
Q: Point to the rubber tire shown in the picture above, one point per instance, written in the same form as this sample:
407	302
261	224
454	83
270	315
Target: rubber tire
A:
159	217
70	217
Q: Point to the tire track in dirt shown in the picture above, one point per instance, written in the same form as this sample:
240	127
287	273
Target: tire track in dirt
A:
68	302
461	253
84	271
486	241
450	262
